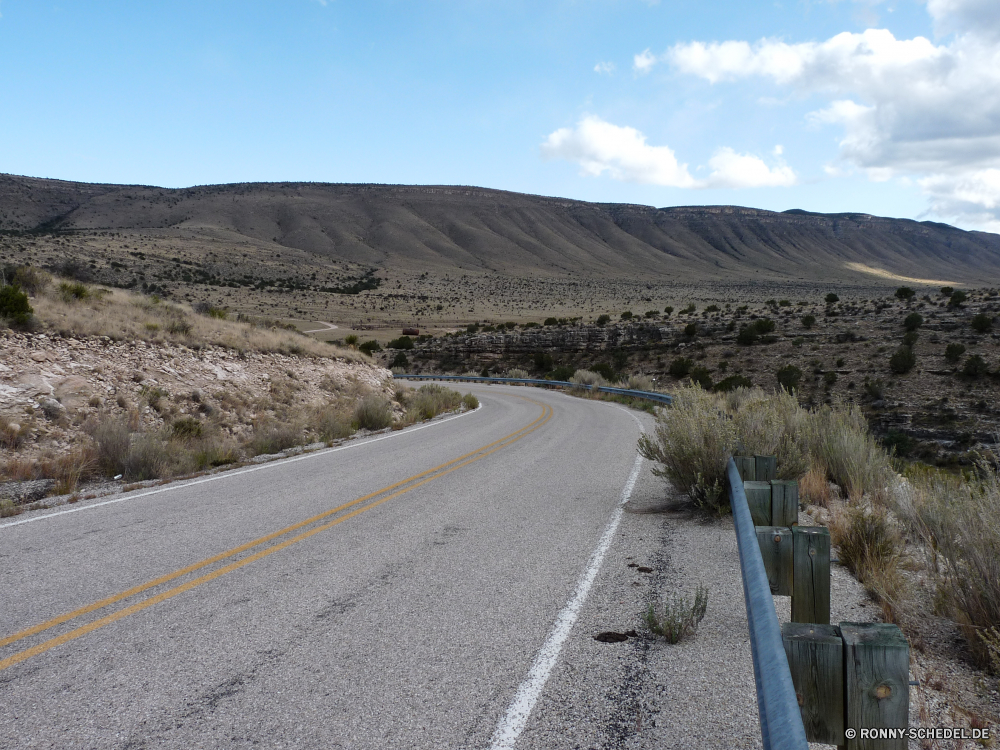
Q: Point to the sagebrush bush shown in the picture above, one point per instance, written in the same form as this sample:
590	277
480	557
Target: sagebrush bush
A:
373	412
639	383
470	402
587	377
517	372
840	440
14	305
954	352
902	360
331	423
430	400
691	445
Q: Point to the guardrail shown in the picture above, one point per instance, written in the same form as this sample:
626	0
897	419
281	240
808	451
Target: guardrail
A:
780	717
659	398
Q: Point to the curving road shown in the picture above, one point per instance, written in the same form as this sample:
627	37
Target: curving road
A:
409	591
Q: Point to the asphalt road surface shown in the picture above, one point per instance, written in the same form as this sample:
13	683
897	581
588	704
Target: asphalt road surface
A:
408	591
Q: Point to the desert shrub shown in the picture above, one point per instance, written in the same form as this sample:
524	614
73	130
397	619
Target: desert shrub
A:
829	378
701	376
71	292
330	423
960	521
32	280
542	361
677	617
732	383
954	352
831	298
691	330
947	291
668	310
373	412
186	428
651	314
902	360
957	298
369	347
975	366
112	438
430	400
563	372
691	445
400	362
351	340
470	402
603	320
147	458
905	293
273	437
981	323
789	377
840	440
517	373
808	321
680	367
639	383
910	338
211	453
403	342
12	434
913	321
627	315
14	305
747	336
771	424
587	378
871	547
991	640
874	389
550	322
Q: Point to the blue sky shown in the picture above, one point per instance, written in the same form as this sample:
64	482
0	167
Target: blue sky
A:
891	108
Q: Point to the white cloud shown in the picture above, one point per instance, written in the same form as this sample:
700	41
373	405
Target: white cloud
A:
644	61
605	67
599	146
733	170
906	107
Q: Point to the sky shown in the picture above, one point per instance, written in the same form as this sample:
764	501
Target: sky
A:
886	107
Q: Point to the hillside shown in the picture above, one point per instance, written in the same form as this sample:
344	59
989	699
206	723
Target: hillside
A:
323	242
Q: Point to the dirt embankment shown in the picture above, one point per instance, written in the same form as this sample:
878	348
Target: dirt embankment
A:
55	389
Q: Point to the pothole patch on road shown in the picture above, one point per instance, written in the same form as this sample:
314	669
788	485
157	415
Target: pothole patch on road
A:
610	636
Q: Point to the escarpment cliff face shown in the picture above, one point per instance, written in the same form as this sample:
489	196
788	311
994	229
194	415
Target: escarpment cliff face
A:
412	228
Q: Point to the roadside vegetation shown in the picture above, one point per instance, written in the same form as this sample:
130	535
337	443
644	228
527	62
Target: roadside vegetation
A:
924	542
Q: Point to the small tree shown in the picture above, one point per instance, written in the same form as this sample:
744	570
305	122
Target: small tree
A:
627	315
975	366
789	377
913	321
910	338
680	367
808	321
954	352
702	377
947	291
831	298
905	293
903	360
981	323
691	330
603	320
957	298
14	305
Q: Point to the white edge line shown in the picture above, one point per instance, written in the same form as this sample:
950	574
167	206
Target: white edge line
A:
516	718
237	472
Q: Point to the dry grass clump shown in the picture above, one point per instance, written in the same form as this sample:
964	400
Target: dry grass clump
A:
678	617
959	520
814	489
80	310
272	436
770	424
871	547
839	439
331	422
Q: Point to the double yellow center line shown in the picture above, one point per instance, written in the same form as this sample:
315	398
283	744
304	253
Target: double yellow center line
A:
355	507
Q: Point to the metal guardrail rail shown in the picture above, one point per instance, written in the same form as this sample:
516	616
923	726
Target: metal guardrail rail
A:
780	718
660	398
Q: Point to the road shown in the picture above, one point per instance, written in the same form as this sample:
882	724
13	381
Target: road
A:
408	591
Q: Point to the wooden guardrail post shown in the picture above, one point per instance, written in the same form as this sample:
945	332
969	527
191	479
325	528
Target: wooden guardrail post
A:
877	681
816	660
747	467
766	468
759	499
776	552
811	574
784	502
